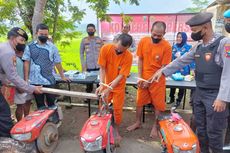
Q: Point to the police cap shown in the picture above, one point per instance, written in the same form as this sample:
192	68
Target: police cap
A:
199	19
16	31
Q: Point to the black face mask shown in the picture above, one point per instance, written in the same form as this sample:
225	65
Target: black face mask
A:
227	27
156	40
91	33
118	52
197	36
43	39
20	47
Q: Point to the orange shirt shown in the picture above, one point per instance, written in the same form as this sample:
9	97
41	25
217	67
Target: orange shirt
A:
115	64
154	55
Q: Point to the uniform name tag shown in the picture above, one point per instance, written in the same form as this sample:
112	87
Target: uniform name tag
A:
197	55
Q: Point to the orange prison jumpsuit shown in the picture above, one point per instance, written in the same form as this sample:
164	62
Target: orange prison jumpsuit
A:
154	57
115	65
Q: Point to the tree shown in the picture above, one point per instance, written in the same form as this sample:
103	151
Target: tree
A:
30	13
198	5
38	14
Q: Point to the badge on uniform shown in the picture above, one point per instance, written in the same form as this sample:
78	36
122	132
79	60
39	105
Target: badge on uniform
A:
208	56
227	50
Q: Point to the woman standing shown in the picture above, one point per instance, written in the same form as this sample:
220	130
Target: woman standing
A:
180	48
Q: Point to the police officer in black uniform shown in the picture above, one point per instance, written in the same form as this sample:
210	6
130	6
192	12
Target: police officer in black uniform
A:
212	74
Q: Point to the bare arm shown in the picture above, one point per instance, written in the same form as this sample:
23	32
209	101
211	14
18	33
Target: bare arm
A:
60	69
102	74
26	66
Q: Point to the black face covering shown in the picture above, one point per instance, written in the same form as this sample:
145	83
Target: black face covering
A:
197	36
91	33
227	27
156	40
43	39
20	47
118	52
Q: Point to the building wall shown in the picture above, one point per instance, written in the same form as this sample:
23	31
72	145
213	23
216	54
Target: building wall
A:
218	19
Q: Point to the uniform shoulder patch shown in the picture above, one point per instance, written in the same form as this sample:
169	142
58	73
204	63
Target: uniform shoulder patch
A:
227	50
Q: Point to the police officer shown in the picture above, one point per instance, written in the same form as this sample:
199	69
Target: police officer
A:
212	59
17	38
227	28
89	52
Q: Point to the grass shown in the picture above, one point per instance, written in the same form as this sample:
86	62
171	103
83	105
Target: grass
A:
70	56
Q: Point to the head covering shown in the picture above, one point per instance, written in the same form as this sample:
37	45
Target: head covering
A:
16	31
227	14
184	39
199	19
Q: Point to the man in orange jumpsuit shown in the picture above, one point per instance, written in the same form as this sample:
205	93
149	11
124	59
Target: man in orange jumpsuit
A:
153	53
115	63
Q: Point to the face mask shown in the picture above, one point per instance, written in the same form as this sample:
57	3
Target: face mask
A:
197	36
43	39
156	40
91	33
227	27
118	52
20	47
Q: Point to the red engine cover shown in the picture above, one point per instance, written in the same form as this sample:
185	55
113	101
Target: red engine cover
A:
96	126
32	123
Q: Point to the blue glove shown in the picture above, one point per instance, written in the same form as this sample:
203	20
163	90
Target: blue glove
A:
178	77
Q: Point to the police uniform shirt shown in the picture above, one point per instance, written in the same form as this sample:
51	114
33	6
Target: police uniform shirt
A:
222	58
8	68
89	52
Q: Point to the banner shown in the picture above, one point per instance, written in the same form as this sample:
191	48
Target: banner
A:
142	24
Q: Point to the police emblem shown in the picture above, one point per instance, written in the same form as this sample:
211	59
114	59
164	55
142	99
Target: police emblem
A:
208	56
21	32
227	50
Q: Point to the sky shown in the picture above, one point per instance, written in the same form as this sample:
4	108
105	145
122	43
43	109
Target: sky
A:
146	6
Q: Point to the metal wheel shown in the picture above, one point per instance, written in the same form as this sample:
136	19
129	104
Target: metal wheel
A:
48	138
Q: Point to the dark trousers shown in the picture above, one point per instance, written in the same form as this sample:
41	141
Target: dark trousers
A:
5	118
41	99
180	94
89	87
210	124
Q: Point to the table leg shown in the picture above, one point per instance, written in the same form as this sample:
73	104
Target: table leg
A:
89	107
185	91
70	100
143	116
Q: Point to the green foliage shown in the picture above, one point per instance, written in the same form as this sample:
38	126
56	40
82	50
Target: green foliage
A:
15	12
126	18
101	7
7	13
198	5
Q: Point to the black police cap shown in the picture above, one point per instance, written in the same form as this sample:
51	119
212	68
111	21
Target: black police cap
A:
199	19
17	31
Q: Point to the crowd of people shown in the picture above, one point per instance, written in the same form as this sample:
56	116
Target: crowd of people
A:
31	66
